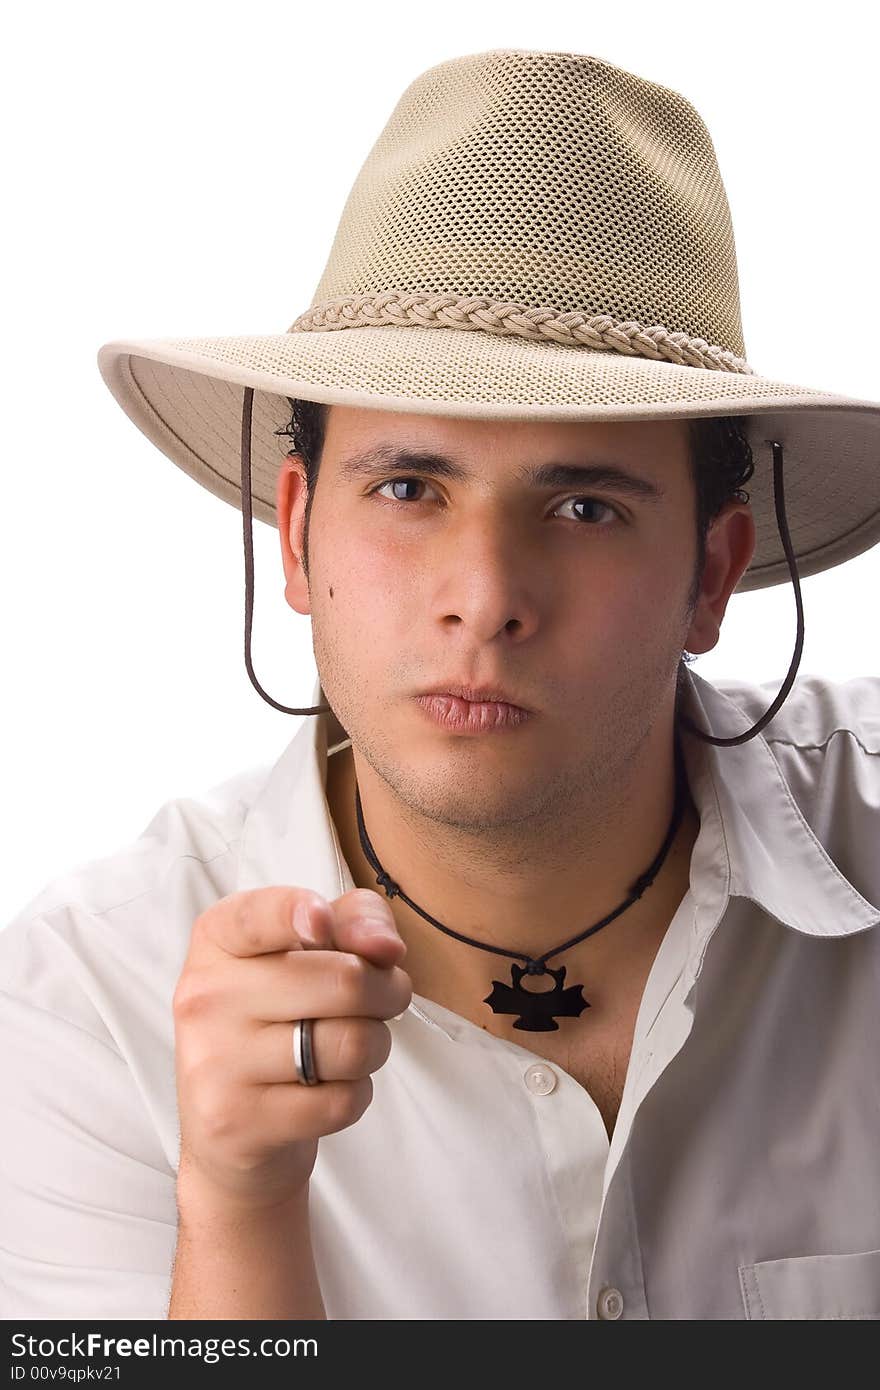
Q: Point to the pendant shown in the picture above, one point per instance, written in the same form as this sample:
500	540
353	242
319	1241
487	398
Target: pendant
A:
537	1008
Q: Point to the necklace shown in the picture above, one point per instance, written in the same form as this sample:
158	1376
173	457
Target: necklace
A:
538	1010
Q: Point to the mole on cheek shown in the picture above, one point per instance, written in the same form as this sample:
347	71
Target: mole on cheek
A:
331	590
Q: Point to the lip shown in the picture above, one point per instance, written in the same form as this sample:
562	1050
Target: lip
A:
477	694
460	716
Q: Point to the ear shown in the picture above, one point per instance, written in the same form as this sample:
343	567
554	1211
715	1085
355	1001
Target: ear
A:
730	544
290	504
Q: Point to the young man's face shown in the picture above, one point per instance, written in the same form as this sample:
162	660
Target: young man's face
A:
571	595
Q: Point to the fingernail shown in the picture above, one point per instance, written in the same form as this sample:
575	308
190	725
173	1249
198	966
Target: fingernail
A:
302	920
378	926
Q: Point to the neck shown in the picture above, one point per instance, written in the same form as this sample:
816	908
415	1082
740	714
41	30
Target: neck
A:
525	886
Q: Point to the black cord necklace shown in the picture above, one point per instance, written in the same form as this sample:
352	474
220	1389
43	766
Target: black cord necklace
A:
538	1010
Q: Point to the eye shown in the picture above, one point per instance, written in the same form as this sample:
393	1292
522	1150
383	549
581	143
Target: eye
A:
389	482
420	482
594	502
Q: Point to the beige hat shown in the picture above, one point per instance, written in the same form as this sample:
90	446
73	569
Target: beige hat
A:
534	235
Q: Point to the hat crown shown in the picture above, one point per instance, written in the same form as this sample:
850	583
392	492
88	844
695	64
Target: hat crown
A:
544	180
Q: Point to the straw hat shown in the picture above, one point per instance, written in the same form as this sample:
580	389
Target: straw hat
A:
534	235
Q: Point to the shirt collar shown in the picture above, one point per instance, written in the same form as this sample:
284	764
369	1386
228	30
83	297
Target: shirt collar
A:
753	842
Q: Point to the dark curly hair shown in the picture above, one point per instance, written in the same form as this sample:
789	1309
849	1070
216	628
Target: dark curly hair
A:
720	458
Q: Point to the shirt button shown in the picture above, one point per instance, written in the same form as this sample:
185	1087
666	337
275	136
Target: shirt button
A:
540	1079
609	1303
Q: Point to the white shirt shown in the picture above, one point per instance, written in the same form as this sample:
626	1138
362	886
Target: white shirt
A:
742	1179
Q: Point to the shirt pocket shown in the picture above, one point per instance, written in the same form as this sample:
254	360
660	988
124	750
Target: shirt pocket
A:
813	1286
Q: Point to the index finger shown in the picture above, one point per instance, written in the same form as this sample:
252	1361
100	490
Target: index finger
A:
360	921
259	921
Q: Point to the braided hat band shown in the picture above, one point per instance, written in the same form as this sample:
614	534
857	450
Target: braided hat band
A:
540	325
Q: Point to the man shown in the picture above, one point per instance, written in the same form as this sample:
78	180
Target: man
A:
684	1125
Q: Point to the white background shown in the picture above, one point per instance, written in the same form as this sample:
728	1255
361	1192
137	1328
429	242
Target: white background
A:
179	169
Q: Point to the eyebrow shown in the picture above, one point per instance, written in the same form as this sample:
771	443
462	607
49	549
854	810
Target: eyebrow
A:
379	458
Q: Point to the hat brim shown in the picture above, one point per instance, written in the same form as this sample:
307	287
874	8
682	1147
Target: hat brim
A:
186	395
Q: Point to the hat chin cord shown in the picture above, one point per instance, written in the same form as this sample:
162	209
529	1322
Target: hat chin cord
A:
685	720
